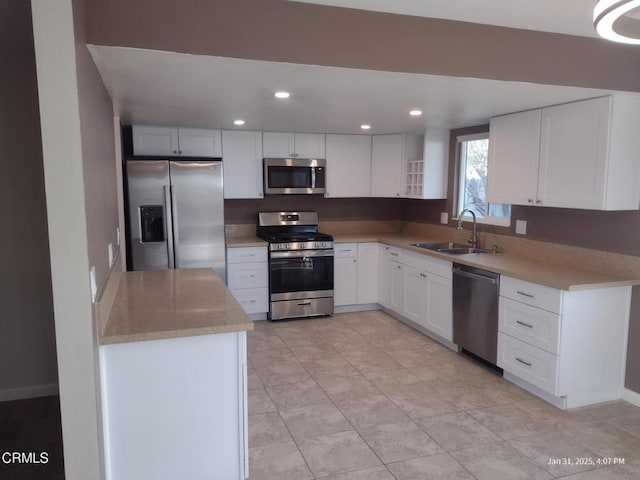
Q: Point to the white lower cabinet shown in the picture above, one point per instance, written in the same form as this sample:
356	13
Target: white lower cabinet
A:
345	274
355	277
428	295
566	346
175	405
396	287
248	278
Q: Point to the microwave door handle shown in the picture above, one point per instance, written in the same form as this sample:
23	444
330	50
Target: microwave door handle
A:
313	177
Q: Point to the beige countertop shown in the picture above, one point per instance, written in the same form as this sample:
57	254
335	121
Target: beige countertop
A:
158	304
563	277
233	241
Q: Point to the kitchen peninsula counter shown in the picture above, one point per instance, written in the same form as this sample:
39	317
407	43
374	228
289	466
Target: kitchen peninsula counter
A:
544	272
160	304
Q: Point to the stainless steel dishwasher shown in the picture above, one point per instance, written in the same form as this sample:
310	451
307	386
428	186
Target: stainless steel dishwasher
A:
475	311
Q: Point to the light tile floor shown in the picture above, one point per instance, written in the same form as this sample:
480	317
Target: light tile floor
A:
362	396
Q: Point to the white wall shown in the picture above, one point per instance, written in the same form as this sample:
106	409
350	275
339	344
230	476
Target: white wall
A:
79	169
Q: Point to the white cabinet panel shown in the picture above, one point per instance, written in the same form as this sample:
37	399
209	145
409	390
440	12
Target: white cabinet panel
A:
253	300
198	142
342	250
532	364
278	145
348	166
175	142
573	154
246	254
247	275
161	141
384	274
532	294
242	164
396	289
367	273
514	150
386	165
415	295
345	281
309	145
439	306
301	145
532	325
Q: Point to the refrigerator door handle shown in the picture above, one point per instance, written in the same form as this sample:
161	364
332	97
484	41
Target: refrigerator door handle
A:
174	215
169	225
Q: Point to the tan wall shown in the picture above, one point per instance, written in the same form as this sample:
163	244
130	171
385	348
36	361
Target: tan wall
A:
27	337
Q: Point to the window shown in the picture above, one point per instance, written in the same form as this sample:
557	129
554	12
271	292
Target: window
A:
473	154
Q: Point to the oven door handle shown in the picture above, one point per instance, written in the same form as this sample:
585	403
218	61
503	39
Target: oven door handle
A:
302	253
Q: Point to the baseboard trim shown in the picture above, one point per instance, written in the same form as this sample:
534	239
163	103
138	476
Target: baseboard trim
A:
631	397
7	394
364	307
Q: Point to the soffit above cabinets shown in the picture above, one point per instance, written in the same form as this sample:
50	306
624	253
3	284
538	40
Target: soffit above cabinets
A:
166	88
572	17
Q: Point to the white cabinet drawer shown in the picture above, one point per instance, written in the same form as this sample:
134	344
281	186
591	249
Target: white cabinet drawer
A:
532	325
253	300
436	266
531	364
246	254
393	253
533	294
247	275
345	250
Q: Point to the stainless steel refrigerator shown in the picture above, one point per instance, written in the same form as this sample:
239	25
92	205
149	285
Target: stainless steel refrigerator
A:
176	214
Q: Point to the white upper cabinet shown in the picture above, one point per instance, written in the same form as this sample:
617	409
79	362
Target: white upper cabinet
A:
242	164
348	166
426	161
586	155
573	154
301	145
175	142
386	165
514	147
198	142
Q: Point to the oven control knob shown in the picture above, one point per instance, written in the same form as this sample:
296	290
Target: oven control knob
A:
287	246
324	244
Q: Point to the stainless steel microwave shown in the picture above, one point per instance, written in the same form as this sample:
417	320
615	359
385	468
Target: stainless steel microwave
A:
294	176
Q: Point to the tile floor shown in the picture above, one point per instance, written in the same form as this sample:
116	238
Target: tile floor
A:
362	396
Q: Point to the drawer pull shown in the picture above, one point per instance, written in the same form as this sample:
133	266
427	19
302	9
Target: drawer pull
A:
304	304
523	362
524	324
525	294
347	250
248	301
394	254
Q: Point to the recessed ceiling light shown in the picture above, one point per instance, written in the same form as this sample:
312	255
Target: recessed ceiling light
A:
281	94
365	127
616	20
415	113
238	122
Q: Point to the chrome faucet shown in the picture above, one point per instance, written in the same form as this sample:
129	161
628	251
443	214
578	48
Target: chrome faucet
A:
474	237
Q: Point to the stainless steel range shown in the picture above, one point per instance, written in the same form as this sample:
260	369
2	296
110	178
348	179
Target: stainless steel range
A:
300	265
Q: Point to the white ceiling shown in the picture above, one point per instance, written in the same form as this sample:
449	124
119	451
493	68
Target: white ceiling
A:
572	17
165	88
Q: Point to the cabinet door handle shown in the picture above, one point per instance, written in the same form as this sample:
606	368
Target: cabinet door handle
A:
394	254
304	304
524	294
354	260
538	202
524	324
523	362
530	200
175	151
180	152
398	267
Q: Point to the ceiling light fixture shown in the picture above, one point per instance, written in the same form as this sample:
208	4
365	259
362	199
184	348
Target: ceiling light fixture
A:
282	94
618	20
415	113
365	127
238	122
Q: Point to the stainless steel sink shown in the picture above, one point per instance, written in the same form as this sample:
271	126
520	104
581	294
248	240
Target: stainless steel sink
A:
450	248
438	246
464	250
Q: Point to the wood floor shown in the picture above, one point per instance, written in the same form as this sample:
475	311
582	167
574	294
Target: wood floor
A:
31	425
